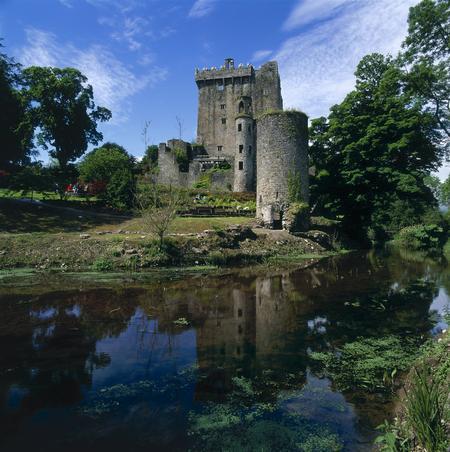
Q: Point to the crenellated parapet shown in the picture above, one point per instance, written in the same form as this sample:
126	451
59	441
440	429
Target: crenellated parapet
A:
227	71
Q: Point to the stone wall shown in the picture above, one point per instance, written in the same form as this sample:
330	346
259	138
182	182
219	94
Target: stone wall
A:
282	143
220	91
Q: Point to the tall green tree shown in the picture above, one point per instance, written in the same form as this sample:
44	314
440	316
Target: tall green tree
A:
373	152
64	111
426	59
111	165
16	127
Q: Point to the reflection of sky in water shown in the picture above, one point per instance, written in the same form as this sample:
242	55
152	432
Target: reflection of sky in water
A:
44	314
241	328
440	305
141	351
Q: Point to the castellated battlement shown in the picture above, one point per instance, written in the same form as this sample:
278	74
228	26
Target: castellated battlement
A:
242	129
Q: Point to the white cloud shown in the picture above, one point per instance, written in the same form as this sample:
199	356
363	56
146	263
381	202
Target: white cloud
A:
133	28
112	81
317	66
312	10
201	8
261	55
66	3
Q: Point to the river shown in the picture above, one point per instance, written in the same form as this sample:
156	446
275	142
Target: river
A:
206	362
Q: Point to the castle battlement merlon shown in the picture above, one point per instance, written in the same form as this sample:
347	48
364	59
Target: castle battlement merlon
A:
227	71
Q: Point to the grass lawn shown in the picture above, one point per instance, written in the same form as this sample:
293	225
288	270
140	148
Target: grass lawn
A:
18	217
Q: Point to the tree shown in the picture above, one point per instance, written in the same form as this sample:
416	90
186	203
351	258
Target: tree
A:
149	162
16	127
373	152
64	110
111	165
426	59
158	207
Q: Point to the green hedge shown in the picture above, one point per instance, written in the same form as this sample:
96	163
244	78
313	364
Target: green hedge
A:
421	237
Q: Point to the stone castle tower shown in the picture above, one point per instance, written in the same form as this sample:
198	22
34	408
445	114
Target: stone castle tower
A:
241	125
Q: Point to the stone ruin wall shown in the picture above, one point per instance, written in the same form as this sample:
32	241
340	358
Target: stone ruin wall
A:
282	142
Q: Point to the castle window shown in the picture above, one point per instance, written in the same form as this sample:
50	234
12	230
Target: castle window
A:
239	329
224	120
219	148
241	107
222	106
276	195
239	312
241	165
260	198
250	128
239	127
241	148
250	149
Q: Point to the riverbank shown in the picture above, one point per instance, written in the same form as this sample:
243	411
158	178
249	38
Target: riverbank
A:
43	237
422	420
128	250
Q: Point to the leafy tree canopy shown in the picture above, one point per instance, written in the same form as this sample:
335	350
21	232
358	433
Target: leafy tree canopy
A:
374	150
112	165
64	111
103	162
426	60
16	128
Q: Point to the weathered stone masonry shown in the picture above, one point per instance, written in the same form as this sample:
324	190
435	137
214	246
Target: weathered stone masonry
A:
241	123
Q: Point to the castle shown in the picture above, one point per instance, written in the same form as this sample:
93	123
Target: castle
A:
245	141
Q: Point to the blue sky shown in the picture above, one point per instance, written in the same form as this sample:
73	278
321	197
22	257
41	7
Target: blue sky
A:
140	55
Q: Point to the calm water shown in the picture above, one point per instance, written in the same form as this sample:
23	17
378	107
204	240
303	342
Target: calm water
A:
206	363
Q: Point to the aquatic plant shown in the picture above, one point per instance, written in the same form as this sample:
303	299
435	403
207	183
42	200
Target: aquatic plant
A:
368	363
425	410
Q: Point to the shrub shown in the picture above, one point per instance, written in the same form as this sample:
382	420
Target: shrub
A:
217	258
421	237
102	265
182	159
297	216
425	410
368	363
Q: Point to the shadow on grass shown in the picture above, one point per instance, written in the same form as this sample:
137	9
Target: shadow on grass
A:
19	217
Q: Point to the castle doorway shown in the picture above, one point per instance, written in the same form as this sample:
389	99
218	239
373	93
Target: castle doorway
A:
277	221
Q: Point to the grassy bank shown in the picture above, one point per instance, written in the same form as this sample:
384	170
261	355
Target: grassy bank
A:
45	237
423	416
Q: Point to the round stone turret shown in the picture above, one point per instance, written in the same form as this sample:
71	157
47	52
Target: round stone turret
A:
281	165
244	160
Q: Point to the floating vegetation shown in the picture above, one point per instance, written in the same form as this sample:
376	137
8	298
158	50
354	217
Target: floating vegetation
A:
246	422
182	321
368	363
109	399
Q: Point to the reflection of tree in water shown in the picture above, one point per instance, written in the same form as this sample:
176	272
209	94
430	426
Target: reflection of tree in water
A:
253	339
47	348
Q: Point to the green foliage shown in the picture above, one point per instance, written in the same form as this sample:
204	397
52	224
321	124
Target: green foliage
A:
297	216
425	410
426	59
64	110
205	180
16	127
374	150
368	363
120	189
149	162
422	237
182	159
102	265
294	183
113	166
